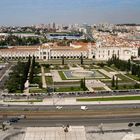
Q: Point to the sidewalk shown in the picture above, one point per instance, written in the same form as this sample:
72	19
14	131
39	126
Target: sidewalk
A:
44	85
69	101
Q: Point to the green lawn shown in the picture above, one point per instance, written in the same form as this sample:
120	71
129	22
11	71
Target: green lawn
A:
133	77
67	83
99	88
110	99
37	80
46	70
38	90
37	70
123	87
108	69
115	69
91	66
49	80
124	78
105	76
62	75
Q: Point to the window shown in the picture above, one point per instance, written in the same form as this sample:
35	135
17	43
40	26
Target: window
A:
44	53
118	52
108	52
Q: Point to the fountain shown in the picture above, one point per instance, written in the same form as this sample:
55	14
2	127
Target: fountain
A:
82	73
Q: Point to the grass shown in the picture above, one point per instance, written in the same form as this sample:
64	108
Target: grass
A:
99	88
46	70
62	75
113	67
67	83
105	76
133	77
49	80
125	98
37	70
37	80
123	87
68	89
37	90
108	69
123	78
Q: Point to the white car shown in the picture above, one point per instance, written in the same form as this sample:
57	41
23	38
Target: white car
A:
6	105
59	107
22	117
84	108
6	123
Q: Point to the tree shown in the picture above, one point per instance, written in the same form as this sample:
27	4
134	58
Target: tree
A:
63	60
17	77
101	64
81	83
84	84
32	70
113	81
116	82
3	127
81	58
137	86
129	65
139	51
134	69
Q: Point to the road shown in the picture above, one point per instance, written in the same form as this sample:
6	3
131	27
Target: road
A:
72	115
49	122
68	107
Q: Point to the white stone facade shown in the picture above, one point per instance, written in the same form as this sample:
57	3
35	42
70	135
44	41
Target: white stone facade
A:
45	52
124	53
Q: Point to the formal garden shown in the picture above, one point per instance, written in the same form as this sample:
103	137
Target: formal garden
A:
41	77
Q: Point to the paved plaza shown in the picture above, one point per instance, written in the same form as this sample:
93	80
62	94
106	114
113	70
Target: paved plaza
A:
55	133
119	131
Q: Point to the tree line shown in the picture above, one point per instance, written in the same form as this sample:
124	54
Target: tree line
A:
18	77
12	40
122	65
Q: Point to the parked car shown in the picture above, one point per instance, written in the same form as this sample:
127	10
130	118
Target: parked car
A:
137	124
130	124
6	123
6	105
14	120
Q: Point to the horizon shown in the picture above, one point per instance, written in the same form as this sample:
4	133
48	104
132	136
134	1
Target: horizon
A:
32	12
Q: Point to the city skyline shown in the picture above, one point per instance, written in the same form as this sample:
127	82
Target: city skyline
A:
28	12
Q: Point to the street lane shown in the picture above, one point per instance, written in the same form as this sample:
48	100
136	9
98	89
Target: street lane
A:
68	107
51	122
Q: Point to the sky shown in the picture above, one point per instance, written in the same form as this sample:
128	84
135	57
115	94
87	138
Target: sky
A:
29	12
